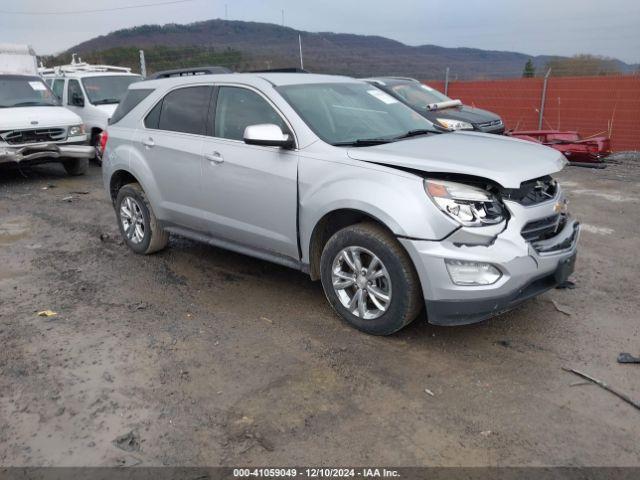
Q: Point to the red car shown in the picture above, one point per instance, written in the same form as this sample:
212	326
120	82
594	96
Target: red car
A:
589	151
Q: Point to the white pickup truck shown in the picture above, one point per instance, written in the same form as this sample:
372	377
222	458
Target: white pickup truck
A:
34	128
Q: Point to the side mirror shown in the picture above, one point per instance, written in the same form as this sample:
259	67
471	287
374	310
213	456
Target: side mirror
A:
77	100
267	134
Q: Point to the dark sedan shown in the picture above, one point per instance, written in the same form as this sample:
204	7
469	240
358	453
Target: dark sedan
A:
445	113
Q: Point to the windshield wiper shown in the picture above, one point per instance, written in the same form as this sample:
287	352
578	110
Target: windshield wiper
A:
363	142
106	101
413	133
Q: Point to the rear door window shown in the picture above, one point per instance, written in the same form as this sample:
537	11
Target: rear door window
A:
185	110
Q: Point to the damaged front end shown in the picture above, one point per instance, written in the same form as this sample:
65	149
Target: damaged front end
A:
521	243
43	152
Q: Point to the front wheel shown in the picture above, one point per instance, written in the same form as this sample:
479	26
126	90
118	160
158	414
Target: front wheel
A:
369	279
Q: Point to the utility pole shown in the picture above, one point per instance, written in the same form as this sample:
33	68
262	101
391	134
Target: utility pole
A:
143	65
226	11
300	46
446	81
544	98
282	11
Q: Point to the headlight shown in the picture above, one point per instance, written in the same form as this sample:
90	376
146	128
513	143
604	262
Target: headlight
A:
76	130
451	124
470	206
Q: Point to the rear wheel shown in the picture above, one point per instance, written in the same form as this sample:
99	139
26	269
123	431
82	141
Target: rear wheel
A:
138	224
76	166
369	279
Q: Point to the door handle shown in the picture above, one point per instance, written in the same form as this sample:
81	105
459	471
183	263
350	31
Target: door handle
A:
149	143
214	157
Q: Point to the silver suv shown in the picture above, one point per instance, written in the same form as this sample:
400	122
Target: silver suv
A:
334	177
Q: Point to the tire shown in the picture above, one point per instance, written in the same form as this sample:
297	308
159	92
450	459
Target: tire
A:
400	280
76	166
153	237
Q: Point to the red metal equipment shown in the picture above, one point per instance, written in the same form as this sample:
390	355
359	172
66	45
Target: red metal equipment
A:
579	151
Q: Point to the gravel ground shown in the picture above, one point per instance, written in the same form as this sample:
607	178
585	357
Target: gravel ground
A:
198	356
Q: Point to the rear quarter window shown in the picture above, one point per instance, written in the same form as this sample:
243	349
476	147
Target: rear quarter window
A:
132	98
153	117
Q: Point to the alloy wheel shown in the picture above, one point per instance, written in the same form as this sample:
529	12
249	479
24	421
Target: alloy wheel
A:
132	219
361	282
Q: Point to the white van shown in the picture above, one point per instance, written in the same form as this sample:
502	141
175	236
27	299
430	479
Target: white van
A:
34	128
91	91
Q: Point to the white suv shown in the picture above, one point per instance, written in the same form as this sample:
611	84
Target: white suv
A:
91	91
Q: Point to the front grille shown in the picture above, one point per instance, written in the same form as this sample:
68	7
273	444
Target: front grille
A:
532	192
39	135
543	228
493	123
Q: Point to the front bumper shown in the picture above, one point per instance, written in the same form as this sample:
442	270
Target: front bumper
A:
527	269
37	153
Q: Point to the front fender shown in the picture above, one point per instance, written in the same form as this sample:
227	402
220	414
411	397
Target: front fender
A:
398	201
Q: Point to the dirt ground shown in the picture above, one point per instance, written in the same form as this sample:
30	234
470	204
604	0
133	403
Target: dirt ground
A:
205	357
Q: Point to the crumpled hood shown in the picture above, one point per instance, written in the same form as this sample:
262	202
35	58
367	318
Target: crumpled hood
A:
108	109
26	117
504	160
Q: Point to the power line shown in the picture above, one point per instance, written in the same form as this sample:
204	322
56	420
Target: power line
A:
74	12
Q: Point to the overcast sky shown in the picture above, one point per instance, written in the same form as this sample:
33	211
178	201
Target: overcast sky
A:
561	27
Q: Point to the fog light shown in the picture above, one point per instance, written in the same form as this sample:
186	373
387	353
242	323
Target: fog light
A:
472	273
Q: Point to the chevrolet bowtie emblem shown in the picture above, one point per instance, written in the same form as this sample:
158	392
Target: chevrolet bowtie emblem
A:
561	207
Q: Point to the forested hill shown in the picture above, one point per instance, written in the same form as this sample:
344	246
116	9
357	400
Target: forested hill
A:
246	45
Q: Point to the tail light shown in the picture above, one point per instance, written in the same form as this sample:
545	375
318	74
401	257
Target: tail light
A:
104	136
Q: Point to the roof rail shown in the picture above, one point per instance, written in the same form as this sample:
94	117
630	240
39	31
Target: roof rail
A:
186	72
281	70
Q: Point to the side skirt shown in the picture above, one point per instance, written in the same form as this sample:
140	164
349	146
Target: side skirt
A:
242	249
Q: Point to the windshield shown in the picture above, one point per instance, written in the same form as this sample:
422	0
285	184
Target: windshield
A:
109	88
346	113
418	95
25	92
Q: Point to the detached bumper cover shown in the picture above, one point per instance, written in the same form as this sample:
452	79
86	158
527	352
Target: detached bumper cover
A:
52	151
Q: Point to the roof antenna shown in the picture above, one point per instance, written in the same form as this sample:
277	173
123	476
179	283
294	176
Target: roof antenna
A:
300	46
